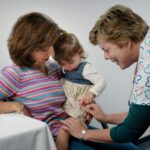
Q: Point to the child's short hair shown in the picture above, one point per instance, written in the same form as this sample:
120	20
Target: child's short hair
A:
66	47
32	32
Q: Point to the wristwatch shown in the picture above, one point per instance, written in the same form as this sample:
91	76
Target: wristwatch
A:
83	133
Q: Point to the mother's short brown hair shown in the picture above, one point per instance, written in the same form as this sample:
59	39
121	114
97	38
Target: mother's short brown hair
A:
32	32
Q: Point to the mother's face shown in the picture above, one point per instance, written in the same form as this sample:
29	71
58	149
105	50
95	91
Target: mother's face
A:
122	56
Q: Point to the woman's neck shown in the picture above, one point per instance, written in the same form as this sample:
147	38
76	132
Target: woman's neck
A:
136	49
41	68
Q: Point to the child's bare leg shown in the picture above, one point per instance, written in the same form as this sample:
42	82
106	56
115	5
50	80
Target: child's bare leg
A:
62	140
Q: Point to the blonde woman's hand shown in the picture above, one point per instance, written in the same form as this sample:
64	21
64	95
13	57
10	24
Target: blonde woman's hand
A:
96	111
74	126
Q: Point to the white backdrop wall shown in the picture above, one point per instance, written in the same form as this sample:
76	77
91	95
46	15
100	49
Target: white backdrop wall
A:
78	17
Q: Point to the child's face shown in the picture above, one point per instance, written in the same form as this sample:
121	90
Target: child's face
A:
40	57
72	64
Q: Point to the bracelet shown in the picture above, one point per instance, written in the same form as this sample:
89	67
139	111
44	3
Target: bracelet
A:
83	133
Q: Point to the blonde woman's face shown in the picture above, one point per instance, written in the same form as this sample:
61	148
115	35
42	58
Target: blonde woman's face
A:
122	56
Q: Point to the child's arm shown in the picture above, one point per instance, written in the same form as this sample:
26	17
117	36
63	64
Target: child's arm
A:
96	78
99	85
87	98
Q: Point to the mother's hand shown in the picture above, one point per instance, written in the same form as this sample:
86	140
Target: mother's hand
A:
21	109
26	112
74	126
10	107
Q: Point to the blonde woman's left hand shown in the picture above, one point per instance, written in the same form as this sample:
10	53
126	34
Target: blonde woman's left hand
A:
74	126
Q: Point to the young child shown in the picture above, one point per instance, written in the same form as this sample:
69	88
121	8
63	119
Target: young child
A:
32	81
81	82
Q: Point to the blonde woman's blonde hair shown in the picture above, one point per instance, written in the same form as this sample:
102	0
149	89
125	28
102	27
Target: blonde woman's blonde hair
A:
118	25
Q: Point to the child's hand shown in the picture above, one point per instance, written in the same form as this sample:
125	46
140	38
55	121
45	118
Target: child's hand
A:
87	99
87	119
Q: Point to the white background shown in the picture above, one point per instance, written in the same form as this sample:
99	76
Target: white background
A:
78	16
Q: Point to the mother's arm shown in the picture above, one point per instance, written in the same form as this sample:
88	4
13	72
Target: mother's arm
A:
9	107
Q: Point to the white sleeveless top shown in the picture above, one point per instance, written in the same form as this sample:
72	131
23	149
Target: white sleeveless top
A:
141	86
